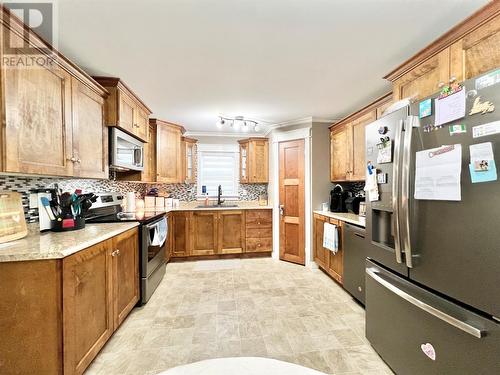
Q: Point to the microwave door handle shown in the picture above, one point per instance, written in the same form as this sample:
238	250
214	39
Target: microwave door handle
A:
395	192
410	123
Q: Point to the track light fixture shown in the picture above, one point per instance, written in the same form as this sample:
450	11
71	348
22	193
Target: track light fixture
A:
237	121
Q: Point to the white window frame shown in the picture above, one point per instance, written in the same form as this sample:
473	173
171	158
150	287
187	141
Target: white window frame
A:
218	148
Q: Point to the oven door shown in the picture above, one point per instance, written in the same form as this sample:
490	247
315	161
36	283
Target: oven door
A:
127	152
154	243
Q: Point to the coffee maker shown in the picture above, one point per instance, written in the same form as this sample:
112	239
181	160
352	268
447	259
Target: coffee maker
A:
338	199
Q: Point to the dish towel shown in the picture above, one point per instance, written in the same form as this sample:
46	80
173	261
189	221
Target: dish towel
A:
331	237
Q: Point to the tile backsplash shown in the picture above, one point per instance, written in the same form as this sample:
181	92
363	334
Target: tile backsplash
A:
184	192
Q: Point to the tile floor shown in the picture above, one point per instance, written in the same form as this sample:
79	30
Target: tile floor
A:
252	307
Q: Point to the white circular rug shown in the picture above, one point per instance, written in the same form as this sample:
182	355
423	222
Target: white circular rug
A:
241	366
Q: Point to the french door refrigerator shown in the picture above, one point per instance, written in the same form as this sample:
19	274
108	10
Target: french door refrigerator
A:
433	267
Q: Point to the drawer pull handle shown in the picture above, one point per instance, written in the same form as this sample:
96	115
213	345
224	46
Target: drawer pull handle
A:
425	307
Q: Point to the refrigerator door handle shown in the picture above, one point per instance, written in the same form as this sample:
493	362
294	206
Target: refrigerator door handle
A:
405	191
395	192
425	307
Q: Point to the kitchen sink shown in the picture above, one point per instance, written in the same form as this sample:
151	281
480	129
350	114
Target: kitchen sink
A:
218	206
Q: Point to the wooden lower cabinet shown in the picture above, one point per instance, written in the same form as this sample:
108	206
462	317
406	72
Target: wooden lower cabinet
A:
203	233
206	233
320	254
331	263
57	314
231	232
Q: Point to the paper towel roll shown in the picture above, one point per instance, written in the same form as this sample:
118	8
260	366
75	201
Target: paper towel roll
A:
130	201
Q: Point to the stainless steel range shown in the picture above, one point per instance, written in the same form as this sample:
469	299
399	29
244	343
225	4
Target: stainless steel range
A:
153	233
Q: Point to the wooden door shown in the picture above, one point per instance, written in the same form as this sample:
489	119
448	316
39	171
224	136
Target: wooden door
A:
168	154
477	52
87	304
38	123
90	136
291	187
258	152
149	173
203	229
141	124
125	274
231	232
358	164
336	261
320	254
126	112
244	162
424	79
179	229
340	151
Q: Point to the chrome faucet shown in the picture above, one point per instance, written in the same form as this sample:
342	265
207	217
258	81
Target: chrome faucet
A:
219	194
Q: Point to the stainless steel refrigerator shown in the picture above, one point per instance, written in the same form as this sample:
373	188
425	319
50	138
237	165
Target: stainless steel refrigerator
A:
433	267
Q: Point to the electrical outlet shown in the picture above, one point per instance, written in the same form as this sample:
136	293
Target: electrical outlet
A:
244	193
33	200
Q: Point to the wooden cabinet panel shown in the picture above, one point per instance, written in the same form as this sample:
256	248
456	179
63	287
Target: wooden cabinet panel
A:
259	232
141	124
189	160
425	78
259	218
254	160
358	165
320	255
168	153
383	106
30	318
88	307
179	229
231	232
255	245
149	173
336	261
477	52
126	112
340	151
38	126
125	274
90	136
203	230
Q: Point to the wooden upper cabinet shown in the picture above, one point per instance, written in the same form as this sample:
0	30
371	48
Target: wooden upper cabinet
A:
203	229
88	308
340	152
124	109
469	49
50	113
231	232
358	165
126	274
254	160
424	79
168	152
90	136
477	52
188	149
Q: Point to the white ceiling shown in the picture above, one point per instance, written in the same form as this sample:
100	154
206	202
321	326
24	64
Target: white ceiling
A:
274	60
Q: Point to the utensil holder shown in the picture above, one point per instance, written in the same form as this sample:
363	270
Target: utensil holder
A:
66	225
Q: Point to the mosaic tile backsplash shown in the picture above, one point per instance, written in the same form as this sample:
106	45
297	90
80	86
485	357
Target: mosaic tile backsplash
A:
185	192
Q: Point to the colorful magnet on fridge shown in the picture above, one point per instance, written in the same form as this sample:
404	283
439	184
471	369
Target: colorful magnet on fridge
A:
457	129
425	108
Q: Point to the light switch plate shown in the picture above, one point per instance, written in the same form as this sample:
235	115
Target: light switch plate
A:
33	200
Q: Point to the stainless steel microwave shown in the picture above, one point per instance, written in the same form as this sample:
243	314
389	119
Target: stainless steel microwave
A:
126	152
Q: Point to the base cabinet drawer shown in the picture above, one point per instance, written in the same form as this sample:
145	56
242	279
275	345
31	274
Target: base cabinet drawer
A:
259	218
259	232
259	244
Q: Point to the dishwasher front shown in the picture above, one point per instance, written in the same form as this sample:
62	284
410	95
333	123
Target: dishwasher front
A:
354	261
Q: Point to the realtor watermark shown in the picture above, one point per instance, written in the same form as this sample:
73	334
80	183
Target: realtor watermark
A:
22	48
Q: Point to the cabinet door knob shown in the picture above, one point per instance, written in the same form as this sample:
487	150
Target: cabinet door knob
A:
78	161
73	159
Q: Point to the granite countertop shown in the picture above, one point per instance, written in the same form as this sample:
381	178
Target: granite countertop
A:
344	216
192	206
52	245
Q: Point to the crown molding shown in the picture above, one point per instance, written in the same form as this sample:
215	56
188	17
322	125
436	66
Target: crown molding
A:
301	121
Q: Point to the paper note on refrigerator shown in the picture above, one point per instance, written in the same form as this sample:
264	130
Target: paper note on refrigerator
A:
450	108
437	175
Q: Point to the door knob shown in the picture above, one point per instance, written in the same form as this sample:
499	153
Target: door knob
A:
282	209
